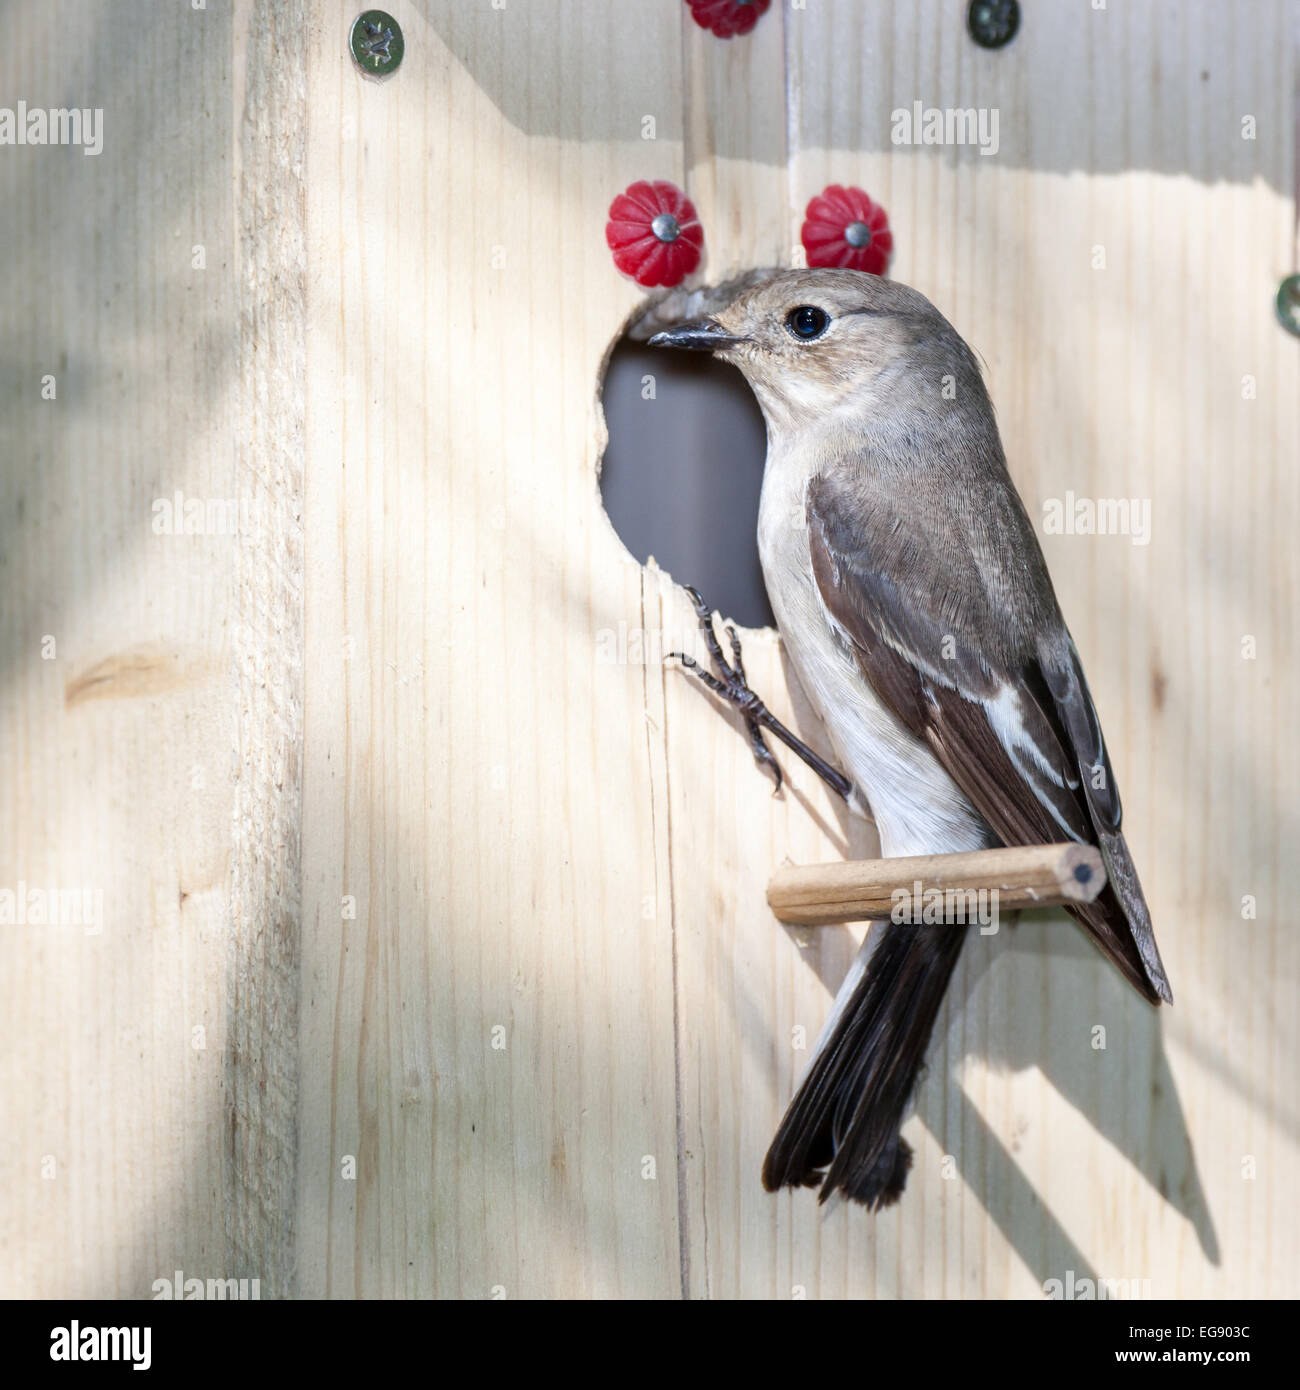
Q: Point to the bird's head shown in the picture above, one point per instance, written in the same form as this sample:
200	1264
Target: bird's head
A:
815	344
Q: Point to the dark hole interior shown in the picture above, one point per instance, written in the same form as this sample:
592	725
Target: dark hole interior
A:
683	470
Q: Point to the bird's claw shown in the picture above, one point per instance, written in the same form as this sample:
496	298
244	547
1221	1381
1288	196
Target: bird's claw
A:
729	683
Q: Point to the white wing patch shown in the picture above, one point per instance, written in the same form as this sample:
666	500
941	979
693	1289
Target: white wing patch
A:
1006	719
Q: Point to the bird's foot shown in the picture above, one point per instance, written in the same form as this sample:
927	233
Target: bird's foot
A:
729	683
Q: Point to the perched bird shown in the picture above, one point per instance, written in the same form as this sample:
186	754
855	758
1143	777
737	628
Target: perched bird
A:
915	605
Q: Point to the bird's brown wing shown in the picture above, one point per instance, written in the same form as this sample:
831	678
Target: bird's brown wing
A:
1020	737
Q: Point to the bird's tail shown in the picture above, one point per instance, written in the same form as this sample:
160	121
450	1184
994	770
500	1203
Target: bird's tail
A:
842	1128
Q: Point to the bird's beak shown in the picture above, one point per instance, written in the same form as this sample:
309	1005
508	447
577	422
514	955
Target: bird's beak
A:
699	335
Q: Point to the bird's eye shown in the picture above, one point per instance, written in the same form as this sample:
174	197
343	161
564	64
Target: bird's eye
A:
807	322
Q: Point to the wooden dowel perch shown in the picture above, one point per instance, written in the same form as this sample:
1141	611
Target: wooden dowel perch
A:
855	890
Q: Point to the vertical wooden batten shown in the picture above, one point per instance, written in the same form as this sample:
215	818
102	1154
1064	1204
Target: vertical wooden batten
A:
270	123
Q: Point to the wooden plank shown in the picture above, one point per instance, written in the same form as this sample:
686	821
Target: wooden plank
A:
118	702
1121	129
492	1035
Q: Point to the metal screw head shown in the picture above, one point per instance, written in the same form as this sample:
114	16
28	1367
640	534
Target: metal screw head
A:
857	234
1288	304
377	44
666	227
993	23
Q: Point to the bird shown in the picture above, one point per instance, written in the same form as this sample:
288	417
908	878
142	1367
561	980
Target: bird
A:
915	605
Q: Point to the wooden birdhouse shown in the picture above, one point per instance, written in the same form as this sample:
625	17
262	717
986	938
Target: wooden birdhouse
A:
384	914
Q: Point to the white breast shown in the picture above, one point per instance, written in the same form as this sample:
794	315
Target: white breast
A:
917	807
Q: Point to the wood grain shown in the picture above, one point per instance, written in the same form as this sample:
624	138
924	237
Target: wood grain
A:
463	890
119	713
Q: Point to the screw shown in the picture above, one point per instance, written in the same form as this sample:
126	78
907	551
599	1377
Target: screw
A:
993	23
377	43
666	227
1288	304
